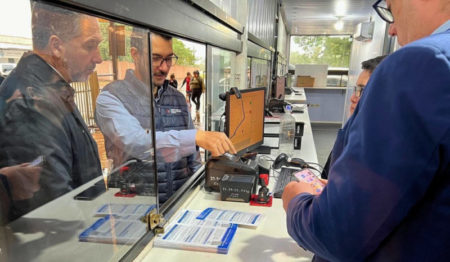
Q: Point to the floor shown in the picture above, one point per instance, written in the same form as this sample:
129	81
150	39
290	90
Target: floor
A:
324	137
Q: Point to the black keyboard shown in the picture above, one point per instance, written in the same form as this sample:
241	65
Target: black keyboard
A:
286	176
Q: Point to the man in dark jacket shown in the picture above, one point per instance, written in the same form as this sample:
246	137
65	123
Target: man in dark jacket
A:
43	119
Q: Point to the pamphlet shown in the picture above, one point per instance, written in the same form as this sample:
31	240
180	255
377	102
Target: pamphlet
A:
108	229
189	217
231	216
216	239
124	210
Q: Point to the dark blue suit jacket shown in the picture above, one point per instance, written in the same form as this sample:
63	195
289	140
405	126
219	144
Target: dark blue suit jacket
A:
388	195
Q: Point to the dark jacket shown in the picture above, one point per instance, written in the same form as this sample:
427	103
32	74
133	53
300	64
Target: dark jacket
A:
45	121
388	193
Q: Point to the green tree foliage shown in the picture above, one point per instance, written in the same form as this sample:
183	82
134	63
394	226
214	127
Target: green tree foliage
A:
186	56
331	50
104	45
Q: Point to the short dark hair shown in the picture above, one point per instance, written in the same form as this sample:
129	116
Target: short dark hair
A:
138	35
49	20
371	64
164	36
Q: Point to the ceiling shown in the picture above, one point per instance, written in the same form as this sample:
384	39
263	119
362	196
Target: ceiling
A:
312	17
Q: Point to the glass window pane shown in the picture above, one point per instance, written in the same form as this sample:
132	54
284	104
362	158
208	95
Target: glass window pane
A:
260	73
69	121
223	63
333	51
177	155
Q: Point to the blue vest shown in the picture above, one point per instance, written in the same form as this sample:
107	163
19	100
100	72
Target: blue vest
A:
171	113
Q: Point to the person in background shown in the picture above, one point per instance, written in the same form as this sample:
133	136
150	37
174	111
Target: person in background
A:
187	81
368	67
172	81
389	183
41	118
197	87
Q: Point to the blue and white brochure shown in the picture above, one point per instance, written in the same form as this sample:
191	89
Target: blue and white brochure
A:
125	210
206	238
231	216
189	217
114	231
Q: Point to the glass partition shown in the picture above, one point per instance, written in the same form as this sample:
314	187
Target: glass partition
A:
222	66
260	73
177	155
76	134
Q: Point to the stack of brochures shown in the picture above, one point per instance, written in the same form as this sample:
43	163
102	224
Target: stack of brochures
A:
211	230
120	224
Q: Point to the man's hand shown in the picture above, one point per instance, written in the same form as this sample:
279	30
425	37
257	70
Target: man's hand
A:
215	142
293	189
23	180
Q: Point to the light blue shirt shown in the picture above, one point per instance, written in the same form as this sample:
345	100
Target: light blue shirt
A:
125	129
444	27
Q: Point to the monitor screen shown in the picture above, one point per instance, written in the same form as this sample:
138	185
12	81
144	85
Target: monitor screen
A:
245	119
279	91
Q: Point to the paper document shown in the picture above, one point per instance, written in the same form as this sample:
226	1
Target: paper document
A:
114	231
138	210
216	239
231	216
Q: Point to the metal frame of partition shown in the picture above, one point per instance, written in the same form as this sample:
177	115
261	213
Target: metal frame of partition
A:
176	17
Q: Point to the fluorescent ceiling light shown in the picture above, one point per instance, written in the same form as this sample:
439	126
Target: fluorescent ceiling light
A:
340	8
339	25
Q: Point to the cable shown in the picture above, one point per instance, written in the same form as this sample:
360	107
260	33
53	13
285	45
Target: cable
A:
317	164
242	121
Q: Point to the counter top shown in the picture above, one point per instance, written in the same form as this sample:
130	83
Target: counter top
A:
327	87
268	242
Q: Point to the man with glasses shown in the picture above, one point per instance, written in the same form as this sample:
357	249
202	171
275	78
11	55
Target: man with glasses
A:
388	193
123	113
368	67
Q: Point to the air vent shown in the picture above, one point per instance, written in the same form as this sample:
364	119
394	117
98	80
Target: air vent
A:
364	31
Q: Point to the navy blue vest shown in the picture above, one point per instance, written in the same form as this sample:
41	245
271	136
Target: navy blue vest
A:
171	113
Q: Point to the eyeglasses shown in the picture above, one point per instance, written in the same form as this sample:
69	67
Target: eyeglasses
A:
358	90
159	60
383	11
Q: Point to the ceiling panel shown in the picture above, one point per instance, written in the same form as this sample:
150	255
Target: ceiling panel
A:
309	17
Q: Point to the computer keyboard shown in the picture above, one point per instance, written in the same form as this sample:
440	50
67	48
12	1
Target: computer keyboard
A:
286	176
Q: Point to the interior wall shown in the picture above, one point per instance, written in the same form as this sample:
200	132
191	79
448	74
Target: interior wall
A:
362	51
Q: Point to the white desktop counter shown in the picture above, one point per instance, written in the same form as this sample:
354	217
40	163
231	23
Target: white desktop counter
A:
298	96
50	233
268	242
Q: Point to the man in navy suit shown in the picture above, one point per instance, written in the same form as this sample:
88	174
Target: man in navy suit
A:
388	195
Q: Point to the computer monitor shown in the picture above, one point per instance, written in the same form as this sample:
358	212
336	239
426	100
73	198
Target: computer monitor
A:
245	119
